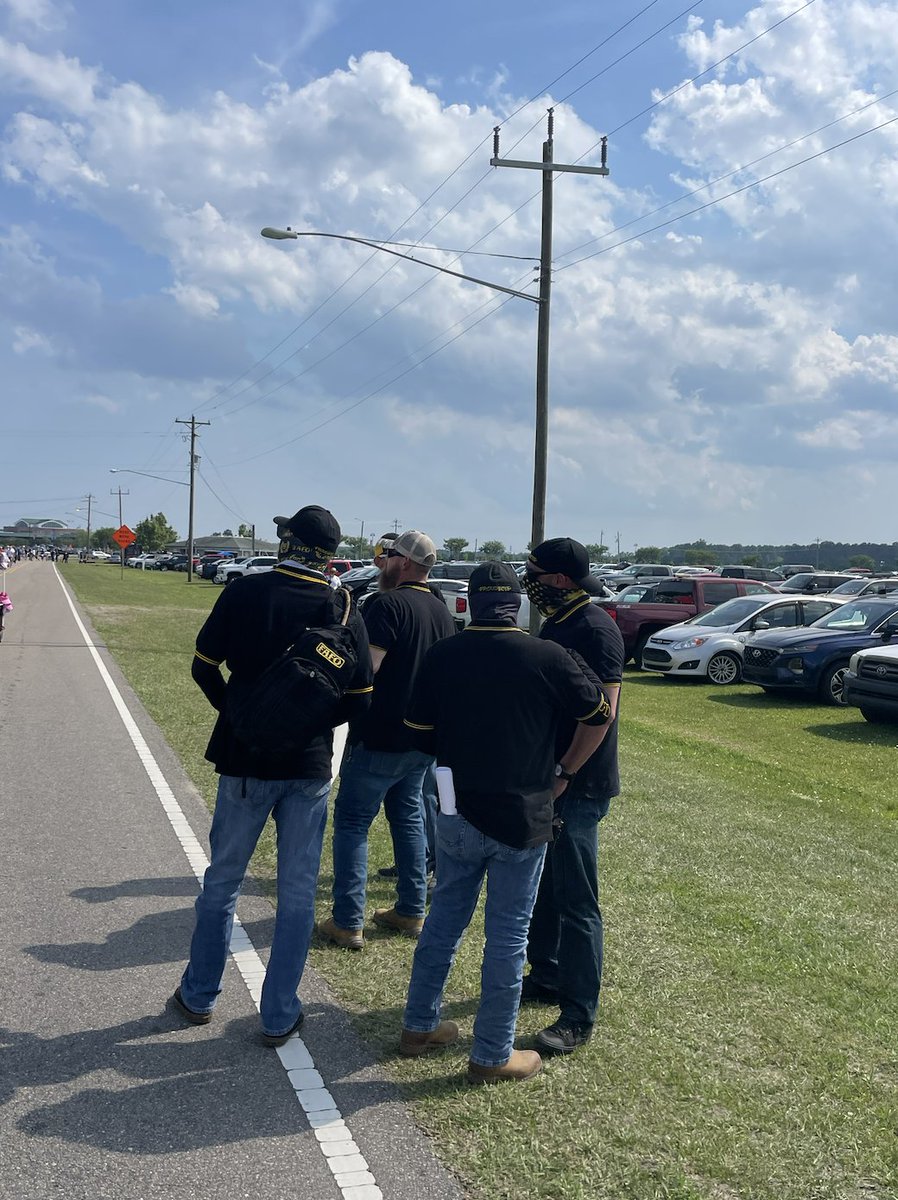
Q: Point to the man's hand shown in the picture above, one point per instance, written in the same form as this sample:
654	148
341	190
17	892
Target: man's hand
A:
558	788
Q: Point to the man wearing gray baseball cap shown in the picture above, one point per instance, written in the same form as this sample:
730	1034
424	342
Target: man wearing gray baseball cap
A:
382	765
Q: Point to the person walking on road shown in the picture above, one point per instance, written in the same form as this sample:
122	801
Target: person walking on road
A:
566	934
488	703
381	764
253	622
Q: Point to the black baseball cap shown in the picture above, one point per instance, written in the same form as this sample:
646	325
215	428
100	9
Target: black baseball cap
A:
564	556
314	528
494	577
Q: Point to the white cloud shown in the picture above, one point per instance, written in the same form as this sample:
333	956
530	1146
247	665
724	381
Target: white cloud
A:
41	15
706	371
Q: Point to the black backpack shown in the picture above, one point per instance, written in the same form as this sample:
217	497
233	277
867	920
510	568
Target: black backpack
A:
296	697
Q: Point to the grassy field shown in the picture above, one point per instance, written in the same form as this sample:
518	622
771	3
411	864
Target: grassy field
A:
746	1041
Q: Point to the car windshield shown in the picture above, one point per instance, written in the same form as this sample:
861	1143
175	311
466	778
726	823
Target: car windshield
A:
863	614
732	612
851	587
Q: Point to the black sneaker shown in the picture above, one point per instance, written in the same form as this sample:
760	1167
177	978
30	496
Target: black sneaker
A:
563	1037
388	872
537	993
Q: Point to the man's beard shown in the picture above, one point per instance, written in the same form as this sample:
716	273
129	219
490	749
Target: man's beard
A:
389	577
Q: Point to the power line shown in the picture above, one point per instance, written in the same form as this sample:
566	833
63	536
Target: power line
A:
729	174
736	191
226	388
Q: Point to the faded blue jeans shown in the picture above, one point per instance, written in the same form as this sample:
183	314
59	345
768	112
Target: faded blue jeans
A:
369	778
299	810
464	856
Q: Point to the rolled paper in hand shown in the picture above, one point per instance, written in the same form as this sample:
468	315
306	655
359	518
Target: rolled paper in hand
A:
446	791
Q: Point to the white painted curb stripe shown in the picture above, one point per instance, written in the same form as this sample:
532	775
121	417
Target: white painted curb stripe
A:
346	1162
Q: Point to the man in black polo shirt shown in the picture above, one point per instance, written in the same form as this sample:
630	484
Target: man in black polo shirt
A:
253	622
381	764
488	704
565	945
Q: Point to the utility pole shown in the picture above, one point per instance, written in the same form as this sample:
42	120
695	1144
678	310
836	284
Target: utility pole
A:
617	535
541	441
120	492
396	525
193	422
89	498
254	540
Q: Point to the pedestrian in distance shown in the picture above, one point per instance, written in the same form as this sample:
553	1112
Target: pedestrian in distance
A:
381	764
489	704
565	947
255	621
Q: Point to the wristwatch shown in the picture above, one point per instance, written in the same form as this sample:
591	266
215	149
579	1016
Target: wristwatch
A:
560	773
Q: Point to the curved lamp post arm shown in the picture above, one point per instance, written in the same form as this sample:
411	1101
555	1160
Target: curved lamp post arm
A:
281	234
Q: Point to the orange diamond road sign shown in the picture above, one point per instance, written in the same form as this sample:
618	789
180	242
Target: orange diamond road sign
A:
124	536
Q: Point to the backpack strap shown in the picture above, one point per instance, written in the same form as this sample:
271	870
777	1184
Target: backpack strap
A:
345	596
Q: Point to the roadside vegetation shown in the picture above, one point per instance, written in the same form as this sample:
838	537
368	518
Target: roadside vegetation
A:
746	1041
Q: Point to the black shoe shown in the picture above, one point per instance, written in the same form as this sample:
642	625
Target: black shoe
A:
189	1014
563	1037
536	993
388	872
272	1039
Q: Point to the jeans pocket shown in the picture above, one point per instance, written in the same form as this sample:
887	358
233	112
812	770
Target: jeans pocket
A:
451	834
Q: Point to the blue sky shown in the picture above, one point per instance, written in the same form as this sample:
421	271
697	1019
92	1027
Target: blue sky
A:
730	376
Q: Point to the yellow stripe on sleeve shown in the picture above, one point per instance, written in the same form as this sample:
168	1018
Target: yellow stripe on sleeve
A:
412	725
213	662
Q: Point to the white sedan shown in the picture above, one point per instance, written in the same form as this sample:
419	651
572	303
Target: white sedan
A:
710	646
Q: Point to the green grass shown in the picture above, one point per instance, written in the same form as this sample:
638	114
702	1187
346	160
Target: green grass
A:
746	1042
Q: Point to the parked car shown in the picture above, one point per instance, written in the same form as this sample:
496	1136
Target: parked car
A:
710	646
359	579
225	565
248	566
210	563
680	597
637	572
452	570
787	570
738	571
143	562
342	565
815	581
815	659
871	682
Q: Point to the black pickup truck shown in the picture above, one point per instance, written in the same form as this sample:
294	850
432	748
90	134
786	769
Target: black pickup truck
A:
675	600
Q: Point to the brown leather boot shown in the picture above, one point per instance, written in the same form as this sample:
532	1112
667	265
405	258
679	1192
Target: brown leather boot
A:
412	1043
389	918
523	1064
350	939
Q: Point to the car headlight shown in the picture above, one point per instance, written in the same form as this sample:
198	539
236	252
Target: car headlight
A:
689	643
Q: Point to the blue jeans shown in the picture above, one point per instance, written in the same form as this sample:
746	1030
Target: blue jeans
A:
566	934
299	810
464	856
369	778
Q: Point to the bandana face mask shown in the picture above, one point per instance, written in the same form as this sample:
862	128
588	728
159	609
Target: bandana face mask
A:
546	598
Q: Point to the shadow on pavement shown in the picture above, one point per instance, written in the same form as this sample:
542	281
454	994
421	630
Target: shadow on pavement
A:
161	937
179	885
171	1109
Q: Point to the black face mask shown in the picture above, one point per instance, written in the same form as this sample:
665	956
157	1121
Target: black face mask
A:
502	607
547	599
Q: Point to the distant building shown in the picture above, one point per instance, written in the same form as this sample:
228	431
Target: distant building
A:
224	545
38	531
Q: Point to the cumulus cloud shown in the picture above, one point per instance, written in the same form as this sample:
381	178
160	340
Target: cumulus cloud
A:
704	370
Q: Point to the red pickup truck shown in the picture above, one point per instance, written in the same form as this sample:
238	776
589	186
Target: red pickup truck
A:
672	601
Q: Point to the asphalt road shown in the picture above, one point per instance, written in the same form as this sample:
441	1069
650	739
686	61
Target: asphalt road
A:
103	1091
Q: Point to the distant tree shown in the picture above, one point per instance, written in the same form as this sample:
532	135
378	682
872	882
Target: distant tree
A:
492	549
454	546
696	556
856	560
227	533
101	538
154	532
245	531
596	551
647	553
751	560
357	547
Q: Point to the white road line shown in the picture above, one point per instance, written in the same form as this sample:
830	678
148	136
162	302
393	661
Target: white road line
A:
346	1162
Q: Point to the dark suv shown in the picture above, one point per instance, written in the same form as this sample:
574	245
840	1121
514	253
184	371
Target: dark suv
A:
739	571
816	658
814	581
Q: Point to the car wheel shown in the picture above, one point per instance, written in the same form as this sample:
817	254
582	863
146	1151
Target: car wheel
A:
876	716
724	669
832	685
637	652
